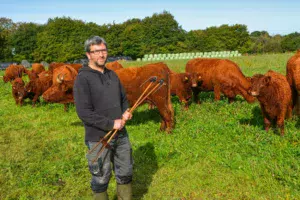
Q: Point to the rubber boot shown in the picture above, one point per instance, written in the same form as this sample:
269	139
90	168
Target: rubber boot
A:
101	196
124	191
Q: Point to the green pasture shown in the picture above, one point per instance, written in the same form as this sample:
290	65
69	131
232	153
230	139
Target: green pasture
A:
216	151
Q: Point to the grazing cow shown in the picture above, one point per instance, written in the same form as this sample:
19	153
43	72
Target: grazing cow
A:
61	90
18	90
220	76
12	72
37	86
134	80
113	65
275	97
293	77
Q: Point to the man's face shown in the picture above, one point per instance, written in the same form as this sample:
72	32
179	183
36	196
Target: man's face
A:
97	54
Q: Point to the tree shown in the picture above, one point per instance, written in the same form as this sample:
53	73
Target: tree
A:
291	42
7	28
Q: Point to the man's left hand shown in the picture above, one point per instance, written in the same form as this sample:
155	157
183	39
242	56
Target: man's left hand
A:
127	115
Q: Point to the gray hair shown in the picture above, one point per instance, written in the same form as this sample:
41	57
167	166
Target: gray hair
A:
93	41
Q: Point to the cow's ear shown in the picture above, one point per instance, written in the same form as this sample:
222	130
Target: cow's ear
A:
267	80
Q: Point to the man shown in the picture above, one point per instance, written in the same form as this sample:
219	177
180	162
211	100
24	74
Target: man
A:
102	105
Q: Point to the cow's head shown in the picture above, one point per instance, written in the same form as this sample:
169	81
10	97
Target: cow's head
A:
5	79
195	79
18	87
258	82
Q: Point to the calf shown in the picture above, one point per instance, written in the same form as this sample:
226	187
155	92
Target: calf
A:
18	90
275	97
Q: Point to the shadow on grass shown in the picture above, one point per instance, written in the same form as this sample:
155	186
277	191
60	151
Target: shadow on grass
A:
256	120
145	166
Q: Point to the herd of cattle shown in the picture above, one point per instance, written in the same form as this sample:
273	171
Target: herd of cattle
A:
276	93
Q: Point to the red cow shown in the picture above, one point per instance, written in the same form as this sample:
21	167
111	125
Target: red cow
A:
61	90
113	65
12	72
37	86
36	69
220	76
181	84
54	65
293	77
275	97
18	90
135	82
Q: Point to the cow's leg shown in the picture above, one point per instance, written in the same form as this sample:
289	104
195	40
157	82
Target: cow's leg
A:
297	106
196	92
289	110
35	98
217	92
167	114
65	107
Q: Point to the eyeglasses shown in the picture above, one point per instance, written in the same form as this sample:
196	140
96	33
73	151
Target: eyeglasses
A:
97	52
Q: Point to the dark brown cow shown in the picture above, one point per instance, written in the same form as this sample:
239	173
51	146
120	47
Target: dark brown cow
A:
12	72
37	86
61	90
18	90
275	97
220	76
134	80
113	65
293	77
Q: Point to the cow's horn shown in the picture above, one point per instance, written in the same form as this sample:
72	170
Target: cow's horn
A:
58	79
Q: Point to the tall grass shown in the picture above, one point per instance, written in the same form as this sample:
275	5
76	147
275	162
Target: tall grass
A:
217	150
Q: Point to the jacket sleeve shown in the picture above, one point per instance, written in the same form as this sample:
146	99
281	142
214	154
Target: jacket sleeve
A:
84	106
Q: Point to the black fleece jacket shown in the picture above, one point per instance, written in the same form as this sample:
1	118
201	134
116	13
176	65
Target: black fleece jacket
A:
99	99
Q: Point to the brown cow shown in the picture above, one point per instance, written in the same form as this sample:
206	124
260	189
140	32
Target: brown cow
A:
115	65
181	84
293	77
61	90
12	72
275	97
37	86
134	80
54	65
36	69
220	76
18	90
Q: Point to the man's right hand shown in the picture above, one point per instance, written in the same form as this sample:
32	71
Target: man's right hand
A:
119	124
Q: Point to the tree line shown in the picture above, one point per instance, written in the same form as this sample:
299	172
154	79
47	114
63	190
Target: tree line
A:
61	39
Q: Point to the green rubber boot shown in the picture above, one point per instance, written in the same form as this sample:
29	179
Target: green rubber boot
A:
101	196
124	192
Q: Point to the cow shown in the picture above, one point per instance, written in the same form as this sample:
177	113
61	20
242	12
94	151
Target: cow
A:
18	90
275	97
293	77
135	81
220	76
12	72
54	65
37	86
181	84
36	69
61	90
115	65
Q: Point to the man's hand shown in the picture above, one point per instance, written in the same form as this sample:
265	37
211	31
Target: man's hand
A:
127	115
119	124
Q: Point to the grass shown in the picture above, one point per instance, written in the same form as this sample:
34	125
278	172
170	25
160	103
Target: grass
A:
217	150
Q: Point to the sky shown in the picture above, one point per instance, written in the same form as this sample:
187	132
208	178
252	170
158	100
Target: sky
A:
274	16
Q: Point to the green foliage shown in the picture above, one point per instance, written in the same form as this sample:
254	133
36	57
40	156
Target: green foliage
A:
291	42
24	41
216	151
